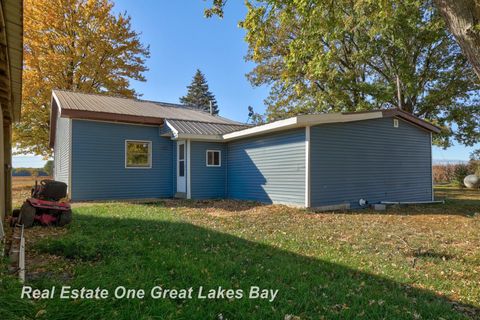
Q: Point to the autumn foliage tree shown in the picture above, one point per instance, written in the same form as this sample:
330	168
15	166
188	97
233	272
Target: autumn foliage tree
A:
78	45
330	56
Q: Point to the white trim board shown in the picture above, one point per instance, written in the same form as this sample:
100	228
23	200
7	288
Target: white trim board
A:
302	121
199	137
219	158
307	167
70	159
431	166
174	131
189	180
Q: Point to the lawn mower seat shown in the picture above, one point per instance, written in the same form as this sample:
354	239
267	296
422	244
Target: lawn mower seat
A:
50	190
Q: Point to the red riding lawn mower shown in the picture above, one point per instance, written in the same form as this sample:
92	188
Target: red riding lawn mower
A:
45	206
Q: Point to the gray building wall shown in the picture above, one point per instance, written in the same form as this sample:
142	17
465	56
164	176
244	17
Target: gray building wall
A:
207	182
61	163
269	169
372	160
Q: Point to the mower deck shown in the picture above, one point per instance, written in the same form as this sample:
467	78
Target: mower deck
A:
45	204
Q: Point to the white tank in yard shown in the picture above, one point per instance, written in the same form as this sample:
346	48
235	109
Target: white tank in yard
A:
471	181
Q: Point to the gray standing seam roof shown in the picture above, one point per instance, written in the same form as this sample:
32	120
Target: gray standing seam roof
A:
133	107
204	128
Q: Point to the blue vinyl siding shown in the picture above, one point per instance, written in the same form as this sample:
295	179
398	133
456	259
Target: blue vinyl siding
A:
98	162
61	163
369	159
269	168
207	182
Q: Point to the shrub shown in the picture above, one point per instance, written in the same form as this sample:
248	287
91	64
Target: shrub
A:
475	167
460	172
443	173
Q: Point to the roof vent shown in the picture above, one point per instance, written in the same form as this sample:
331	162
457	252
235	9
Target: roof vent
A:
395	123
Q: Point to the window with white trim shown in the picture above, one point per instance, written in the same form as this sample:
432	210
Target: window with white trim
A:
214	158
138	154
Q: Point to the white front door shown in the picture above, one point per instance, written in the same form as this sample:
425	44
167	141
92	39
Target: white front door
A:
181	167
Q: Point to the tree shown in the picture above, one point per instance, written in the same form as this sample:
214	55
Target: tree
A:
76	45
330	56
199	95
48	167
462	17
254	117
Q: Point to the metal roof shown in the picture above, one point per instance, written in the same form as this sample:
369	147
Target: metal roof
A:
77	105
203	128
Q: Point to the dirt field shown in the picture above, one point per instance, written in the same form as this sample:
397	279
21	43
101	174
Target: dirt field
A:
21	187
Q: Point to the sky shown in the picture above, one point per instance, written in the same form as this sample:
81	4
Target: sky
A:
182	40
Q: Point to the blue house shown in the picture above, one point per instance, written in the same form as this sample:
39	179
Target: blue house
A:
115	148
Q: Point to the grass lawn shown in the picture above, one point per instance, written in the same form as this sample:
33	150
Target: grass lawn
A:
416	262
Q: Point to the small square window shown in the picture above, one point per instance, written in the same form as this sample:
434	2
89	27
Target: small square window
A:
214	158
138	154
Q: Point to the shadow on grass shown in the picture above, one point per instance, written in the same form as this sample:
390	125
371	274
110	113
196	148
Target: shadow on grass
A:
142	253
225	205
217	204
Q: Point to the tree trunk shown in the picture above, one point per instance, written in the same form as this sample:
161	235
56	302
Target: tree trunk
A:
462	16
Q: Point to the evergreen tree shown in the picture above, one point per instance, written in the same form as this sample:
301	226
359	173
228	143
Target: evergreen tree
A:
199	95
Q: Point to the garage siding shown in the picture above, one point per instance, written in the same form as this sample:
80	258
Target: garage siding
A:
98	162
372	160
269	168
61	163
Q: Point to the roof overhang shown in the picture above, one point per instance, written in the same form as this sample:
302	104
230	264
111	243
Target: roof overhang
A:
57	110
411	118
175	135
11	57
302	121
112	117
305	121
198	137
281	125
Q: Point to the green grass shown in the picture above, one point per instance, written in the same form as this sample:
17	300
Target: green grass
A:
418	262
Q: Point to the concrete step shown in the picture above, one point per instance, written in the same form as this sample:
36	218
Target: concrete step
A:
181	195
